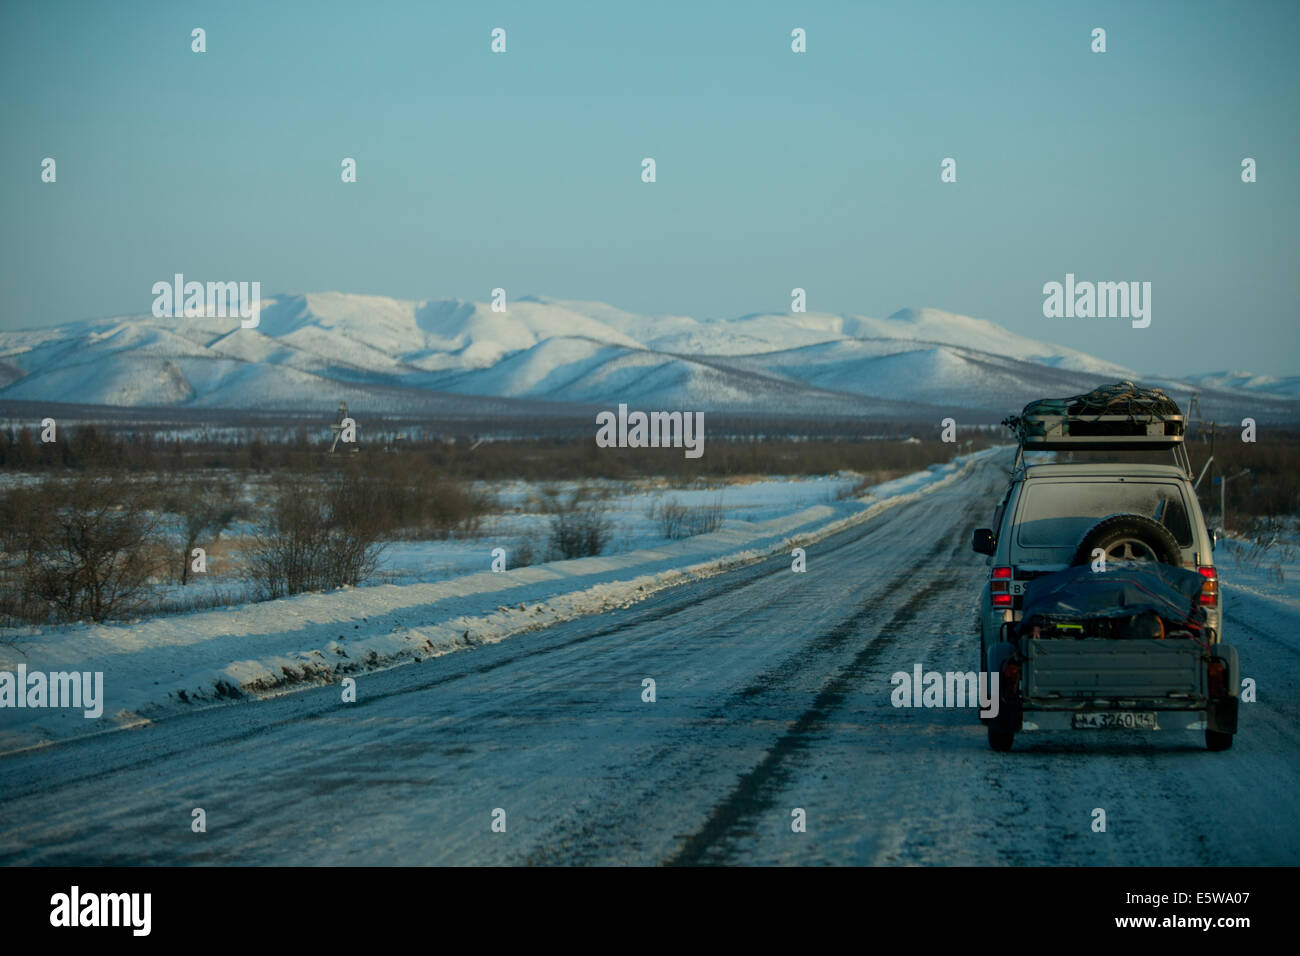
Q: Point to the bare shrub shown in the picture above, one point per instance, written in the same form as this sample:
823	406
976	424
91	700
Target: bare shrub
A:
672	517
80	550
704	519
524	553
318	536
205	509
680	521
579	529
199	599
1266	544
413	499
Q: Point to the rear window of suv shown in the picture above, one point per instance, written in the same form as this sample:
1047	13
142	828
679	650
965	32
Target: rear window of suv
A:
1057	514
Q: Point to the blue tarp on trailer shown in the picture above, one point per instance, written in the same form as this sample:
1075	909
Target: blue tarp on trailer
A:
1124	589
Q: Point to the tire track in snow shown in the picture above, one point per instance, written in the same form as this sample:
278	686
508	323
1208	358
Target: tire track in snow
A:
754	793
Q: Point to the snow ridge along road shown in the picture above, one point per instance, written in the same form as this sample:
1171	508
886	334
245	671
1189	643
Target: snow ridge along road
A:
773	694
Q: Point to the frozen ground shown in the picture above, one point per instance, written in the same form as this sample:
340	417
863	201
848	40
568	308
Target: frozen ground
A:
161	665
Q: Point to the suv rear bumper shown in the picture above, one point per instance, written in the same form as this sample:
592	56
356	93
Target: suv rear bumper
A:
1166	719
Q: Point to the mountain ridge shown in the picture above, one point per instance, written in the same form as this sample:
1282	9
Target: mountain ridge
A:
313	348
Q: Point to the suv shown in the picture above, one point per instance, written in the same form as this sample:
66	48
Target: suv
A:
1102	603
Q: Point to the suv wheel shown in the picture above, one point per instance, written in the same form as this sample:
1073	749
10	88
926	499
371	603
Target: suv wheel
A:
1129	538
1001	740
1217	740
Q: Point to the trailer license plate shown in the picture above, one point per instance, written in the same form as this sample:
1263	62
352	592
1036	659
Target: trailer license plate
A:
1123	719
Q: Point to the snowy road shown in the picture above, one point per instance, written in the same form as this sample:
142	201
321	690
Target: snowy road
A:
773	693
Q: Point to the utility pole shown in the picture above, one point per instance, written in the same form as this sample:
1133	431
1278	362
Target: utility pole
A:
1222	481
1194	413
1212	428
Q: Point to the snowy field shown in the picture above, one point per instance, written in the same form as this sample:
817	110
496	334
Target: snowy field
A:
520	523
440	597
631	508
1265	579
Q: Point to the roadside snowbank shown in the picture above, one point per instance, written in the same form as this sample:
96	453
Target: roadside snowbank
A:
155	667
1260	593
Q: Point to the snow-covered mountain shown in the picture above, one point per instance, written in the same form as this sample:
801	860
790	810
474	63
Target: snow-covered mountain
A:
386	354
1288	386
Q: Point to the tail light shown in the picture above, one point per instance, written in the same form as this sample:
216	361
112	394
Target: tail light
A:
1218	674
1000	587
1210	587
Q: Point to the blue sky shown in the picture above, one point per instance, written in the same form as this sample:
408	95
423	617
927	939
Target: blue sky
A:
775	170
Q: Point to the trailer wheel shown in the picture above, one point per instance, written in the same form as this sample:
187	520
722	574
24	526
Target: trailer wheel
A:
1217	740
1001	740
1129	538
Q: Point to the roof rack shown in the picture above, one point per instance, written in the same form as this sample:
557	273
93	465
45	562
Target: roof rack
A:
1121	417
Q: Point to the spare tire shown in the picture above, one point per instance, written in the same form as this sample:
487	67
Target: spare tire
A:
1129	538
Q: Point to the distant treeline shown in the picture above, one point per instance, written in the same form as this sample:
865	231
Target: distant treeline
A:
465	457
1271	488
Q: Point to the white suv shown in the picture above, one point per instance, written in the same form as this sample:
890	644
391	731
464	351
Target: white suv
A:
1053	516
1101	608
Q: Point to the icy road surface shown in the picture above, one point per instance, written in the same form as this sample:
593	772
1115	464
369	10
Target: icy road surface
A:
773	694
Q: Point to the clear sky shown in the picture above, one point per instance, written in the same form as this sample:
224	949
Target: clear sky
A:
775	170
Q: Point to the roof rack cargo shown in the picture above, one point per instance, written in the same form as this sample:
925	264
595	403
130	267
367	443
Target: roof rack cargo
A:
1120	417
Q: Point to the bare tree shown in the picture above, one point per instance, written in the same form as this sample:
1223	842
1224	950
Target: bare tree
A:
318	536
579	529
205	509
85	549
